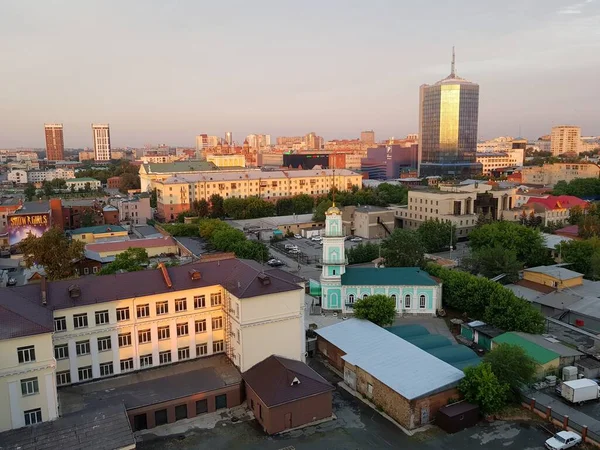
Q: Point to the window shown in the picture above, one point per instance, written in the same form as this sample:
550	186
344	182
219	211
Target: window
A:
124	339
143	310
162	308
80	321
30	386
201	326
63	378
238	336
201	349
160	417
180	304
60	324
221	401
33	416
144	336
201	406
182	329
61	351
122	314
85	373
145	360
101	317
422	301
183	353
393	296
95	269
86	270
260	410
126	364
365	296
26	354
164	357
180	412
104	344
199	301
83	348
217	323
351	298
217	346
407	301
215	299
164	333
106	369
237	310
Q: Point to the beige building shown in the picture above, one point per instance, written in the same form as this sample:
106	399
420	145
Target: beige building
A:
150	173
135	210
565	139
550	174
497	160
106	326
227	160
369	222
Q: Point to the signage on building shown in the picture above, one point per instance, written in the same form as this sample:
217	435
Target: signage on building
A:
22	225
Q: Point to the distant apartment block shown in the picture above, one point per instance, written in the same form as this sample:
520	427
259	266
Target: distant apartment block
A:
135	210
550	174
492	161
237	160
82	183
367	137
565	139
20	176
55	146
101	134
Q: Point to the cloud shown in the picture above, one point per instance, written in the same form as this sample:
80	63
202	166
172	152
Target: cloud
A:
576	8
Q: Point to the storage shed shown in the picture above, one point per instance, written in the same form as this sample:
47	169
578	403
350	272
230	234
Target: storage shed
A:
547	361
458	416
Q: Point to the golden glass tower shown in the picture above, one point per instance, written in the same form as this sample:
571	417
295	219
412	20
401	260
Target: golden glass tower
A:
448	116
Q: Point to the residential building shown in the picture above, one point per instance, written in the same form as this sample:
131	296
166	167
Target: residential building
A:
18	176
553	208
55	145
492	161
407	383
565	139
367	137
135	210
550	174
39	176
413	290
91	155
110	215
102	149
159	159
448	119
150	173
8	205
99	233
82	183
258	141
312	141
387	161
368	222
229	138
544	144
176	194
237	161
105	252
203	142
113	182
284	394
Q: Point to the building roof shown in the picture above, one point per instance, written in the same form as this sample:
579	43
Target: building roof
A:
370	208
570	229
398	364
107	428
99	229
179	167
550	344
552	240
587	306
539	354
488	330
556	271
33	208
134	243
588	363
145	230
278	380
84	179
22	313
558	201
387	276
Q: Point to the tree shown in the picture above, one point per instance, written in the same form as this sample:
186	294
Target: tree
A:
481	386
379	309
493	261
129	181
48	189
29	192
362	253
72	188
583	256
87	219
575	214
284	207
303	204
437	235
200	208
391	193
216	206
131	260
319	214
87	187
153	198
54	251
511	365
403	248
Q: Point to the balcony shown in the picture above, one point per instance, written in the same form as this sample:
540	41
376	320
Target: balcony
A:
335	261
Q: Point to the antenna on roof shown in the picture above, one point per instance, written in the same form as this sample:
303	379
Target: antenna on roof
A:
453	66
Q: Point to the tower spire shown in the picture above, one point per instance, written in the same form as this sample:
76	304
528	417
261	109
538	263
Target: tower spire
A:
453	66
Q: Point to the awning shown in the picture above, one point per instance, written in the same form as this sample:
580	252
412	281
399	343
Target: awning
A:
314	288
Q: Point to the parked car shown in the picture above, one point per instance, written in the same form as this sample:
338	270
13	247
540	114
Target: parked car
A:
293	251
291	247
275	262
562	440
298	236
316	238
356	239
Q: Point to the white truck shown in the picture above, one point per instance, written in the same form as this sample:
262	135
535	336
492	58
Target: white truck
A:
579	391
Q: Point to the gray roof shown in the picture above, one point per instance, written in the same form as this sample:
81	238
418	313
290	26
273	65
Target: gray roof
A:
558	299
371	208
552	240
106	428
556	347
22	313
588	306
274	222
588	363
33	208
555	271
403	367
146	230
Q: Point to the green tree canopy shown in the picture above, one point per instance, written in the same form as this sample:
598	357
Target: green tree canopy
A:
319	214
379	309
403	248
129	181
579	187
29	192
284	207
481	386
216	206
303	204
583	256
493	261
362	253
511	365
54	251
437	235
131	260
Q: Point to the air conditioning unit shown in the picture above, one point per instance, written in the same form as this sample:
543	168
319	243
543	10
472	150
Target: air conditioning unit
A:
569	373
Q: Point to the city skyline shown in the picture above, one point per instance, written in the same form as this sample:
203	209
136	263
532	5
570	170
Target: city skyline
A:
536	55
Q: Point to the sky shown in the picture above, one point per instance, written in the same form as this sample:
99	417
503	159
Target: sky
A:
165	71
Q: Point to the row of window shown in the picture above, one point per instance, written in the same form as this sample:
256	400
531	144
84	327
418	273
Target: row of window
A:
28	387
407	300
123	314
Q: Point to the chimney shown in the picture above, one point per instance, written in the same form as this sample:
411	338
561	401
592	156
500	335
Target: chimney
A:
165	274
264	279
44	292
74	291
194	274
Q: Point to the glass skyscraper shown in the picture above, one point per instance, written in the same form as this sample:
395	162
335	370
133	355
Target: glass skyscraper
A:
448	115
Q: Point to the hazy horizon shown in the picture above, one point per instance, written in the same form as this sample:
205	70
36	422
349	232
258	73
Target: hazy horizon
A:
163	72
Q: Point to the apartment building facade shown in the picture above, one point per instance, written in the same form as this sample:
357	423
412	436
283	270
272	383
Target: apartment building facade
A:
135	210
491	161
102	148
550	174
565	139
176	194
55	146
111	325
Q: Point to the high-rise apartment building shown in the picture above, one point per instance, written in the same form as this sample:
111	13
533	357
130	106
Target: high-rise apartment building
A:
448	115
55	145
101	134
313	142
204	141
229	138
367	137
258	141
565	139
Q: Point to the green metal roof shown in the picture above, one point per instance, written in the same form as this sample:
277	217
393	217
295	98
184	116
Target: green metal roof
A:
99	229
314	288
387	276
85	179
453	354
430	341
538	353
180	166
408	331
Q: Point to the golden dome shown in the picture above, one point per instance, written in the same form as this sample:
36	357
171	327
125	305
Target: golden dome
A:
333	210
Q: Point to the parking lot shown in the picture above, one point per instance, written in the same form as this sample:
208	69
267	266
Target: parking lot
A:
313	249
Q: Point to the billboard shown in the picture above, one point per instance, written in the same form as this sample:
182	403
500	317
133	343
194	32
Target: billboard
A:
21	225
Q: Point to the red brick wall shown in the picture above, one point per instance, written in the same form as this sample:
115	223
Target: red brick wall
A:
331	353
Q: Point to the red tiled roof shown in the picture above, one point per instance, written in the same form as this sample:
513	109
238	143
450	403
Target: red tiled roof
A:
558	202
134	243
569	230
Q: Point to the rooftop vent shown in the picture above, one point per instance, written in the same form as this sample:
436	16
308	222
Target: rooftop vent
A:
295	381
264	279
195	274
74	291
